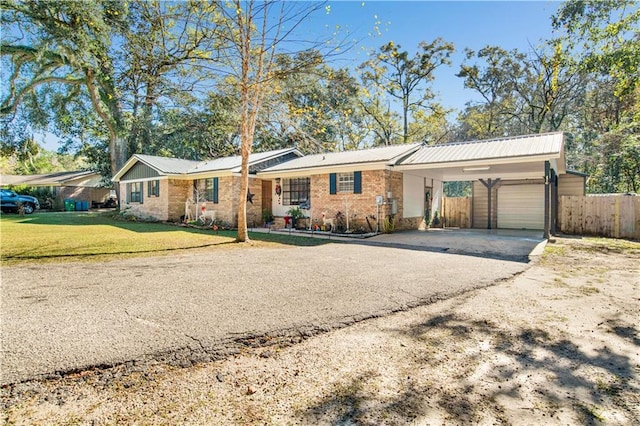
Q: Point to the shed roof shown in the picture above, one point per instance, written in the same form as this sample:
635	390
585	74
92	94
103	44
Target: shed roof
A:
520	146
76	178
387	154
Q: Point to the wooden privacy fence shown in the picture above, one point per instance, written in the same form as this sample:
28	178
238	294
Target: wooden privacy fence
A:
616	216
456	212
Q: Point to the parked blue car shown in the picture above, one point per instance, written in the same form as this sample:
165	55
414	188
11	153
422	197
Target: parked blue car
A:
11	202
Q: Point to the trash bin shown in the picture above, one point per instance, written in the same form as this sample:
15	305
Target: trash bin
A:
82	206
69	205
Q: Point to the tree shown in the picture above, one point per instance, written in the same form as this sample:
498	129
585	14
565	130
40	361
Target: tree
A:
406	79
313	105
113	60
519	93
63	48
382	121
254	31
604	37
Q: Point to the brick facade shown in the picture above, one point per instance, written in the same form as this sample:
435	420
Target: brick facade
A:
359	206
227	207
170	204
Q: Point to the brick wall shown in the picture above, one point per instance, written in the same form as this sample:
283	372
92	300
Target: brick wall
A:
227	206
359	206
152	207
175	193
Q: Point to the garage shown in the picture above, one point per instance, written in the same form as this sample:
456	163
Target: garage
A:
521	207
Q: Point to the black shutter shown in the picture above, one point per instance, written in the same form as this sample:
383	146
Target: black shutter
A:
357	182
215	190
149	194
332	183
128	193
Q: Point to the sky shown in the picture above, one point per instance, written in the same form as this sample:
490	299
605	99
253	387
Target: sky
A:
472	24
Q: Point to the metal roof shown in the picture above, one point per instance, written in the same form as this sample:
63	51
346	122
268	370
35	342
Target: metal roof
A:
521	146
177	166
167	165
235	162
386	154
84	178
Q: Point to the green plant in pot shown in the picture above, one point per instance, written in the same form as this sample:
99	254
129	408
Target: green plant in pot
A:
295	213
267	217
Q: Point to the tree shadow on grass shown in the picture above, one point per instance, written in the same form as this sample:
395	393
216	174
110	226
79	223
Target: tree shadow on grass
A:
581	382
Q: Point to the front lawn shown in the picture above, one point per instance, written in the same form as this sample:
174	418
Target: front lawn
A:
42	237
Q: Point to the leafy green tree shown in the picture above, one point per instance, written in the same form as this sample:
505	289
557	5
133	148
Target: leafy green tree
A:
169	53
312	105
63	48
209	130
519	93
105	66
605	35
406	79
604	38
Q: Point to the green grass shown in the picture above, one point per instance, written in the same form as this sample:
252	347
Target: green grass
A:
43	237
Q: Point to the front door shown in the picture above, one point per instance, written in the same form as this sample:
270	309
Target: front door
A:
266	195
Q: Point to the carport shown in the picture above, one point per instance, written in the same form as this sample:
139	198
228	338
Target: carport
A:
514	179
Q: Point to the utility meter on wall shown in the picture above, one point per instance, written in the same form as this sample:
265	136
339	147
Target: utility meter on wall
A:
379	200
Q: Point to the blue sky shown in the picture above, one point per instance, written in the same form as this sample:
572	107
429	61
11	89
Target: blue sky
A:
472	24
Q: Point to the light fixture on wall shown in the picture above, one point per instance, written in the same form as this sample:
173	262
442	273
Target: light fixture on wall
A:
476	169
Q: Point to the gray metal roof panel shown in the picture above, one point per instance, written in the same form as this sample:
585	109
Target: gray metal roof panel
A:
521	146
234	162
167	165
54	178
371	155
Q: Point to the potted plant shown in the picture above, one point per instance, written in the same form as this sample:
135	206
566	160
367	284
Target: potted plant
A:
267	217
296	214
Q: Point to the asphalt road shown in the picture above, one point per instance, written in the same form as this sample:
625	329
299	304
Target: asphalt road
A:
185	308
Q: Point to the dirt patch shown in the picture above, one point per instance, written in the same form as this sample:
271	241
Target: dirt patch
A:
557	344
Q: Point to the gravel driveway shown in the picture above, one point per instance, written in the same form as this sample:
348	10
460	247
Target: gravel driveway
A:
188	308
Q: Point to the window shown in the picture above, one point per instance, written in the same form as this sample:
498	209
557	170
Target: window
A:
211	190
295	191
135	192
206	190
153	188
345	182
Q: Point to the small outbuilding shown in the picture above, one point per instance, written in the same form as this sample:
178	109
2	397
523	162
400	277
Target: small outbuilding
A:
81	185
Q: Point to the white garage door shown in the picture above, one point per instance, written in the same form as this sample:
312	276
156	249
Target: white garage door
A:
521	207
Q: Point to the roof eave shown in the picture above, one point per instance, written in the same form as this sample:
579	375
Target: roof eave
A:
328	168
484	161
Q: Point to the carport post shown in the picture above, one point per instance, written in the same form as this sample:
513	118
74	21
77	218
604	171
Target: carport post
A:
489	185
547	197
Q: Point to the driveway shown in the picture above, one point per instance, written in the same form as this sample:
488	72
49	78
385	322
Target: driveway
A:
187	308
517	245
